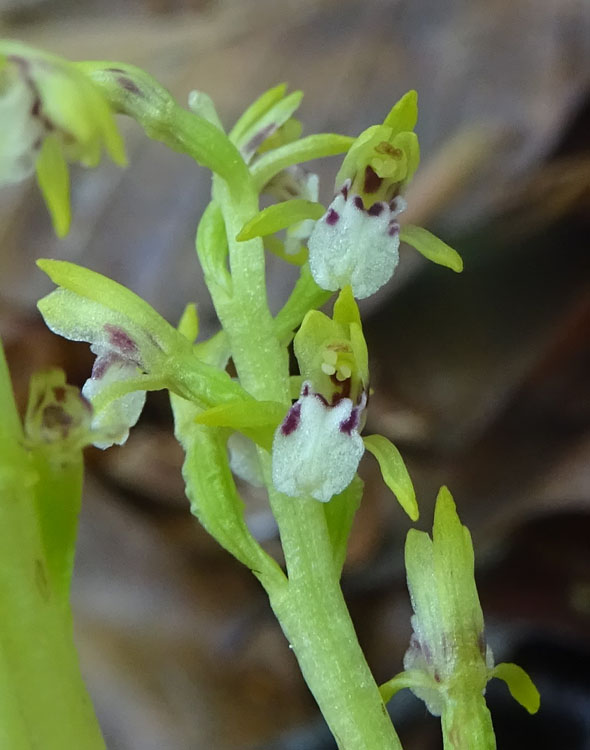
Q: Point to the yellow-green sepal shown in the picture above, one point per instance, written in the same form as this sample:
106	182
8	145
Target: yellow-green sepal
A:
394	472
54	182
305	149
520	685
280	216
403	116
431	247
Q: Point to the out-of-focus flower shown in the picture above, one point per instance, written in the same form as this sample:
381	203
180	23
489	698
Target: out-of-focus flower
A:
130	340
51	113
448	663
357	240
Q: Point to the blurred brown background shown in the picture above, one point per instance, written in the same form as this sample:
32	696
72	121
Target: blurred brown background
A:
481	379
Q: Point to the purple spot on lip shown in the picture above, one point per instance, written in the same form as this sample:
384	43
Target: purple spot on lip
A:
120	340
392	228
332	217
344	190
376	209
350	424
291	421
305	391
358	202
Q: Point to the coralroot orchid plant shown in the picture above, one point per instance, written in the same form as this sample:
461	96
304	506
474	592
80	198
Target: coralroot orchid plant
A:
300	435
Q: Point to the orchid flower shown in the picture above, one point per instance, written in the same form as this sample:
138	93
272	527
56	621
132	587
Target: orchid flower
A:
448	663
357	240
317	447
51	113
130	340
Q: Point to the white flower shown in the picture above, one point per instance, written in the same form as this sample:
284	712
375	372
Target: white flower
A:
317	449
354	245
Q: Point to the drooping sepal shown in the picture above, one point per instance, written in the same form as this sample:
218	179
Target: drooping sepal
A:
394	472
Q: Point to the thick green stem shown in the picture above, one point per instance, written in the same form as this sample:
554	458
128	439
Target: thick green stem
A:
316	621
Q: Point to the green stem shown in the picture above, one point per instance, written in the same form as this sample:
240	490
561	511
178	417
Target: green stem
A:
317	624
311	609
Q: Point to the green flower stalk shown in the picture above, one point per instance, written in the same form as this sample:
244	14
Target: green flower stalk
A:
449	663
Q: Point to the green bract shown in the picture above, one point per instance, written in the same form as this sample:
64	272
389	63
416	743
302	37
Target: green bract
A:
52	114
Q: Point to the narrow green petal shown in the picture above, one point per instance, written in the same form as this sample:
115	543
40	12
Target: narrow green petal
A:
360	352
404	113
521	687
256	110
189	322
243	413
431	247
275	117
255	419
280	216
312	147
54	182
346	310
395	474
411	678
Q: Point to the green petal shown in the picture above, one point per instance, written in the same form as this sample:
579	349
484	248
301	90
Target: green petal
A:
54	182
312	147
189	322
346	310
395	474
521	687
431	247
249	139
404	113
256	110
280	216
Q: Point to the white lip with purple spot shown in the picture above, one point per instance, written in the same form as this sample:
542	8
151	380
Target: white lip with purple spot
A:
355	245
